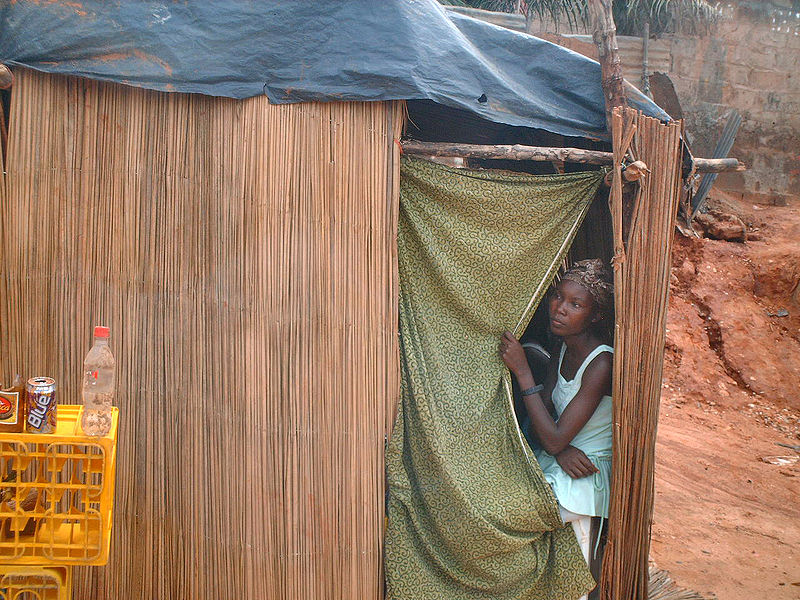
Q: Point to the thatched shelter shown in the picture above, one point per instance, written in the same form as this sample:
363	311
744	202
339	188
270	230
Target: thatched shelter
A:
220	187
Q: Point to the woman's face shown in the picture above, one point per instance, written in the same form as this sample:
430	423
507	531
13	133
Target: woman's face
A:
572	309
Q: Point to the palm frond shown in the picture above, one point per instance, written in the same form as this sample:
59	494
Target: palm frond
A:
506	6
691	17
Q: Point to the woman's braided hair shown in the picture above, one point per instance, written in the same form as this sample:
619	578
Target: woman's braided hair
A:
596	277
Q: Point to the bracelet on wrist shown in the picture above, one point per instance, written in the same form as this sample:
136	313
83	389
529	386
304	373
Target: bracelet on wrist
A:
533	390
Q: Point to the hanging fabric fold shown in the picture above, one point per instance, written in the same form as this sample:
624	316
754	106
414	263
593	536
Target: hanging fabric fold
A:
470	513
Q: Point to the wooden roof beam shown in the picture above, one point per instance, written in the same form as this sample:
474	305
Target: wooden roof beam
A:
547	154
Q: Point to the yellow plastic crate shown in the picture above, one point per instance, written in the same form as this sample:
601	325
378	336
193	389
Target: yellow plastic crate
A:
57	497
35	583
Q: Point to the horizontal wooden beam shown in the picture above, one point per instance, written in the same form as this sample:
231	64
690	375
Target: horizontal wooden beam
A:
545	154
718	165
515	152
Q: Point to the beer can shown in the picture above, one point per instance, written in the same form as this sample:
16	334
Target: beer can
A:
41	404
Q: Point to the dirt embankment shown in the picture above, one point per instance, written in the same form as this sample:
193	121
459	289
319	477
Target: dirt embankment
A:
727	516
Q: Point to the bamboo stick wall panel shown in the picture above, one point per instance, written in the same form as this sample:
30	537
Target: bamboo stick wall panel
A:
244	256
641	285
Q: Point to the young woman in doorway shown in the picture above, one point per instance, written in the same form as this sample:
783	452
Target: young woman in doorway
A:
575	453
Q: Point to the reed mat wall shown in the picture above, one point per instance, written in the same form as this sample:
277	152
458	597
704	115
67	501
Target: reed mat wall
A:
244	256
641	284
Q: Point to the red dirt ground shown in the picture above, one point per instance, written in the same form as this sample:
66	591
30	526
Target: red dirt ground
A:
727	520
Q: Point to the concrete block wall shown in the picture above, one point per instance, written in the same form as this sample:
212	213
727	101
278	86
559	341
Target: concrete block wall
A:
751	63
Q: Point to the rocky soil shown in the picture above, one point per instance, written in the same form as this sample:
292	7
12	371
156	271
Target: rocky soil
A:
727	516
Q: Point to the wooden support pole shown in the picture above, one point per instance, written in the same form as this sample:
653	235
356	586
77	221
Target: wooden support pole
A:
547	154
604	34
645	65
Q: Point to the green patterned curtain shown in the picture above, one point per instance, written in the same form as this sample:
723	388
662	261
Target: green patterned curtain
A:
470	514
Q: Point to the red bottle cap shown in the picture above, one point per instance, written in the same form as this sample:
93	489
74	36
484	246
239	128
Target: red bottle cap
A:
102	332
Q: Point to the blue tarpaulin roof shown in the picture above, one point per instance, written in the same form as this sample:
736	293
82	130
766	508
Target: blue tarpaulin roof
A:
302	51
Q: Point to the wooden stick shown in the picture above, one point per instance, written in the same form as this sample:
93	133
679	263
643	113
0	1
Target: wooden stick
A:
515	152
718	165
645	65
547	154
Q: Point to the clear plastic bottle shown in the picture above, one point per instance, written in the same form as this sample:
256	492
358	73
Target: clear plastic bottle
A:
98	385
